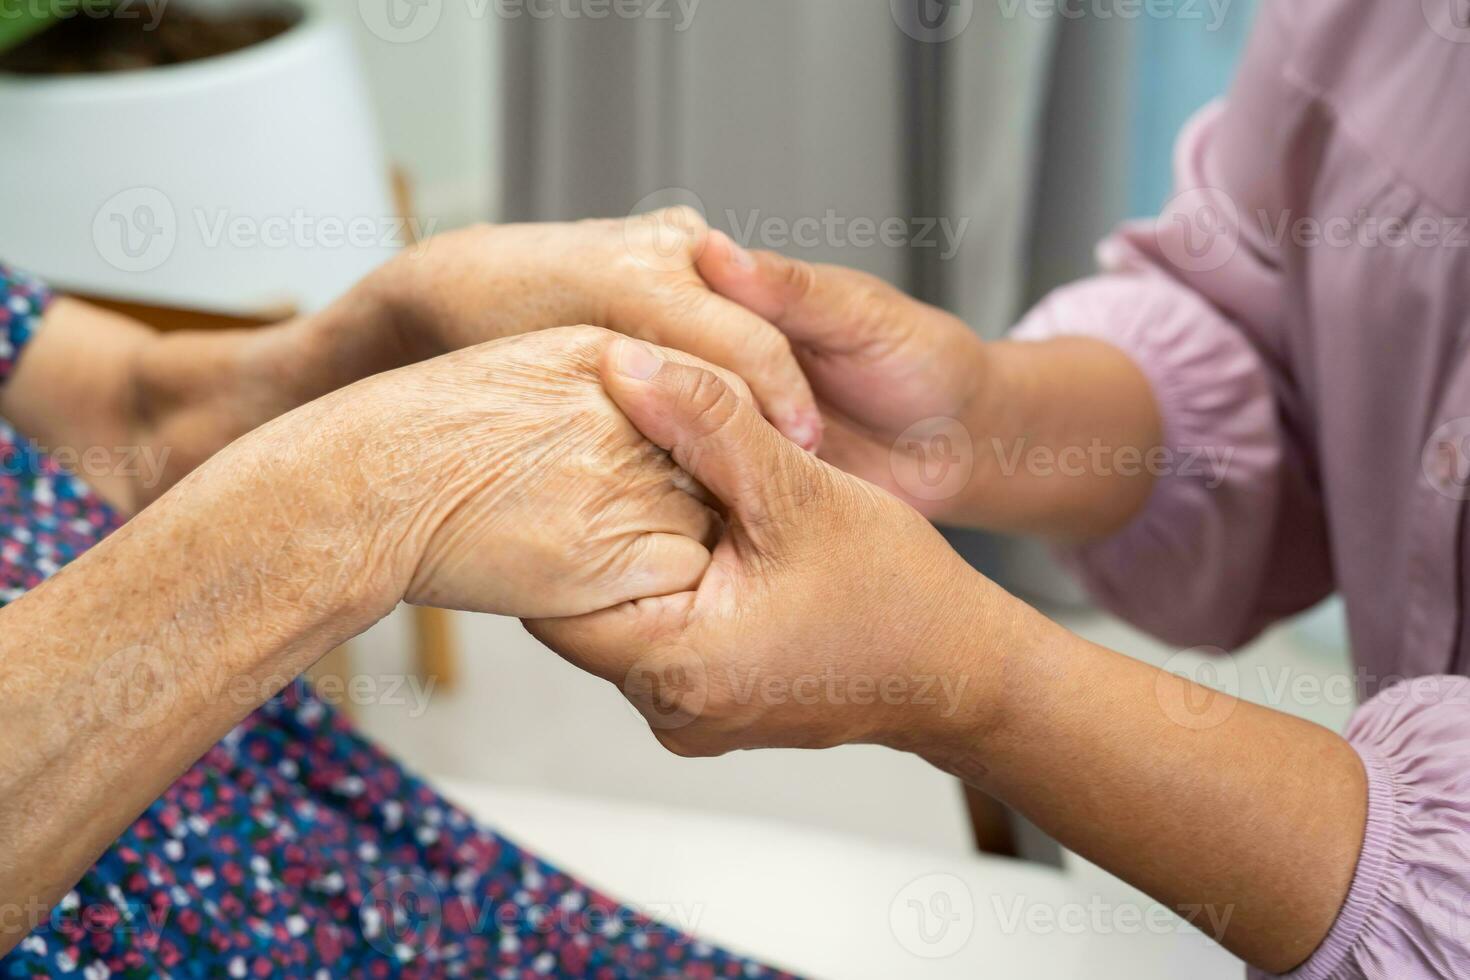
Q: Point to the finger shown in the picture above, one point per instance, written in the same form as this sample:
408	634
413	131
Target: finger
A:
655	564
711	432
724	333
821	306
607	643
730	378
685	510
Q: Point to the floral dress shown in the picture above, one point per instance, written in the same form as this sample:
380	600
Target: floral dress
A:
294	847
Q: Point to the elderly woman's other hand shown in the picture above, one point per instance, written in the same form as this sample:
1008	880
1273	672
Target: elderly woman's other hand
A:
636	276
172	401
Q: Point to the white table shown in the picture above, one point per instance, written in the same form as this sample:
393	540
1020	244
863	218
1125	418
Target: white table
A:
834	906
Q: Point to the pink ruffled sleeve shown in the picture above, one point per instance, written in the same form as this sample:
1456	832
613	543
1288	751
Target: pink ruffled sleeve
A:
1407	915
1230	539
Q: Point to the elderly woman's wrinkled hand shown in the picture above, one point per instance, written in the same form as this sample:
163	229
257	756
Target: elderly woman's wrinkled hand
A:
499	478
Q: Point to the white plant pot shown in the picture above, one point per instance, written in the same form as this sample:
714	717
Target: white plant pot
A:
242	183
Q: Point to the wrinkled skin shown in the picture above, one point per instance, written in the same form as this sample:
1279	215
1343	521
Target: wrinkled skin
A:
637	276
819	579
185	395
502	479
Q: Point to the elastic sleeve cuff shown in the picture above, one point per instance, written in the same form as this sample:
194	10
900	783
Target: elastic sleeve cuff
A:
1366	895
1405	914
23	302
1187	568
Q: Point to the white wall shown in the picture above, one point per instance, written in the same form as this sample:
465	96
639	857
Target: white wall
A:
435	97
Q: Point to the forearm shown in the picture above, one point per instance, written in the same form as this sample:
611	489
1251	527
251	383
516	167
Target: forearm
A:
129	664
1062	432
132	411
71	392
1201	800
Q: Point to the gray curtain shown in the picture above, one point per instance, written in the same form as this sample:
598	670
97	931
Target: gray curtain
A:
785	109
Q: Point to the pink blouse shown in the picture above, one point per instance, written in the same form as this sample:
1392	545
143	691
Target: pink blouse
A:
1301	309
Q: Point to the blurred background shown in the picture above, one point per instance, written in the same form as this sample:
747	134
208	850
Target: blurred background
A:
1005	137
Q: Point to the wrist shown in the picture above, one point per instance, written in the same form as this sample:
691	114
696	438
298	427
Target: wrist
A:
993	415
1063	430
467	287
314	533
984	636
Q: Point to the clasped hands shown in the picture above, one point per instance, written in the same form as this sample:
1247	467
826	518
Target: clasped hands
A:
657	514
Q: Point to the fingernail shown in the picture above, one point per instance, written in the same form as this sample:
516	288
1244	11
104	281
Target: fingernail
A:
806	432
637	360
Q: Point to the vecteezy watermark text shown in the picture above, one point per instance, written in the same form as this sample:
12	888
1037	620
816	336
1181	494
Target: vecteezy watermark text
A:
144	464
832	230
407	21
302	229
831	686
1212	12
1210	464
71	917
403	914
1100	917
138	228
39	10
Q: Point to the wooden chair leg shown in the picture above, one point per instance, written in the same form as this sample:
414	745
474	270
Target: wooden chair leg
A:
336	665
433	633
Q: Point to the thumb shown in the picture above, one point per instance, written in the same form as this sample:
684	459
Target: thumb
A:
822	306
712	430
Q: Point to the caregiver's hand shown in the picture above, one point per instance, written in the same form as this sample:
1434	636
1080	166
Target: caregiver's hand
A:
832	613
499	478
916	403
635	276
821	583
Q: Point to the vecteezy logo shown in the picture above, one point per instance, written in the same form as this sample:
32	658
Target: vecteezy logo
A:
1199	229
666	231
932	21
400	21
1446	459
933	459
1450	19
670	692
135	230
1197	688
402	916
137	687
933	916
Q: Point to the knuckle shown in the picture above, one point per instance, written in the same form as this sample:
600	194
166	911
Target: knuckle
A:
798	277
584	334
709	402
870	310
684	217
737	384
776	349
